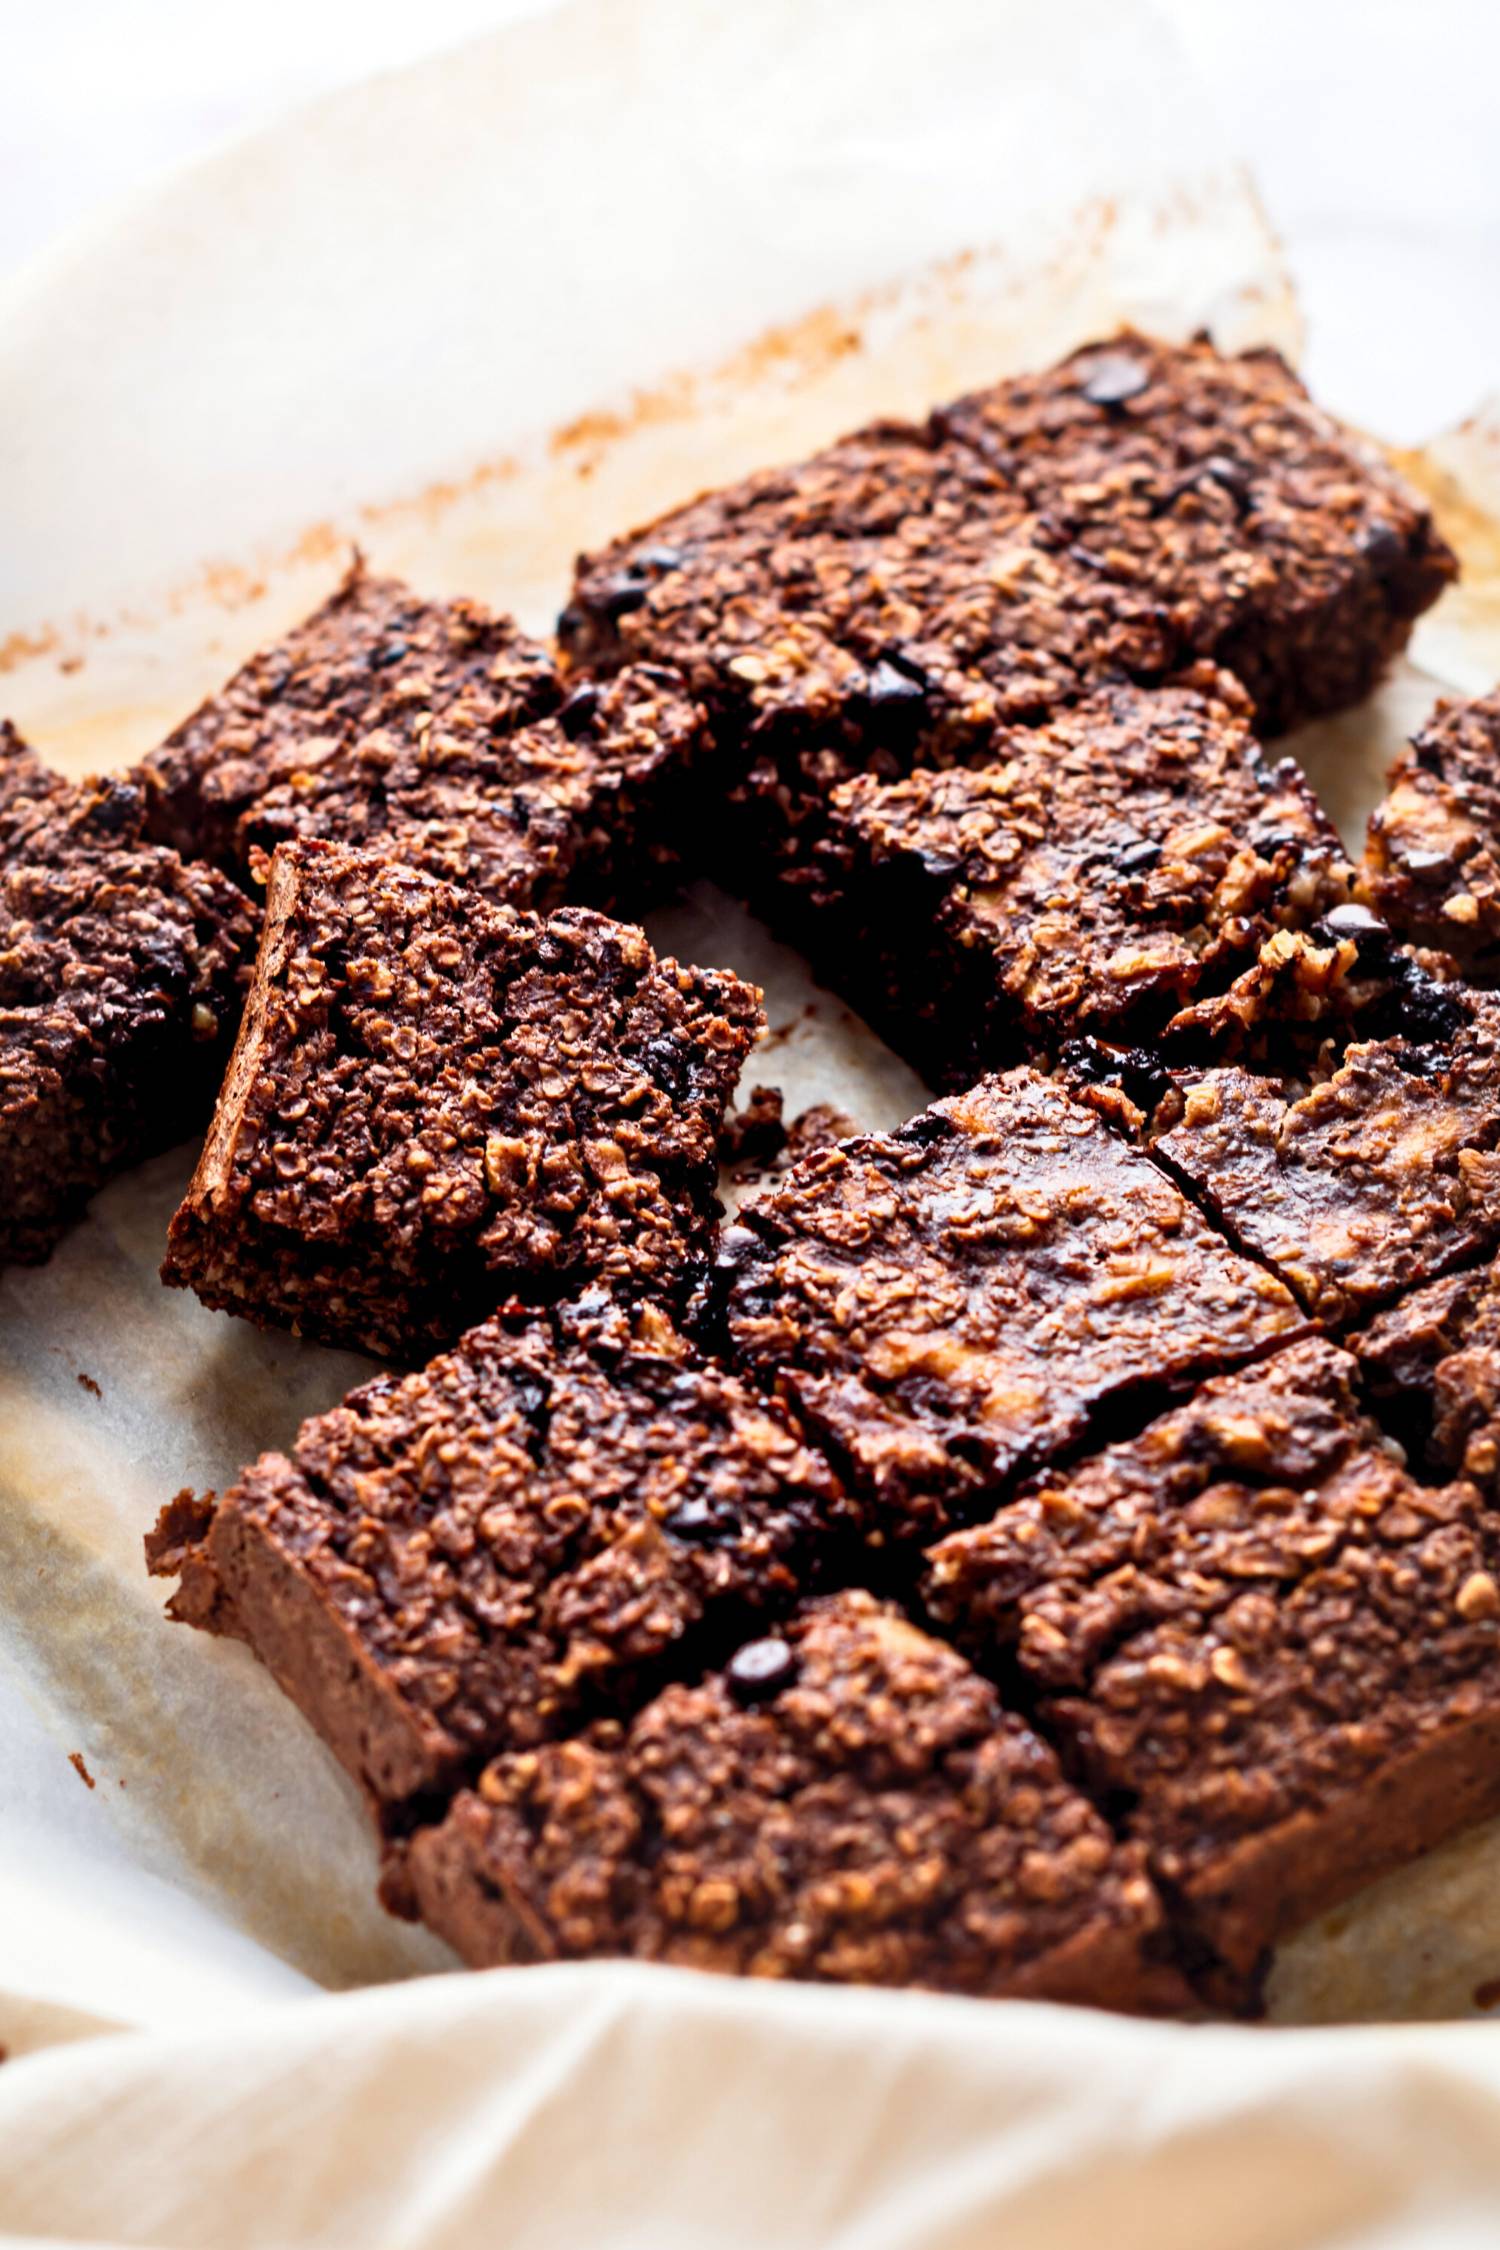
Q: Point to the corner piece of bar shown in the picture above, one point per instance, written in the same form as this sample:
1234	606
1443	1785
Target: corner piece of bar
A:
540	1525
436	1103
1432	857
1377	1173
963	1300
122	969
1255	1631
847	1802
1088	876
438	732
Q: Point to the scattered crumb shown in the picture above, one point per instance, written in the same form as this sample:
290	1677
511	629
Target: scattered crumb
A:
87	1382
755	1135
75	1760
1487	1995
818	1127
758	1147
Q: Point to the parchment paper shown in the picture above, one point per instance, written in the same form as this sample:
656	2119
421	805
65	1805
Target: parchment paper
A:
473	317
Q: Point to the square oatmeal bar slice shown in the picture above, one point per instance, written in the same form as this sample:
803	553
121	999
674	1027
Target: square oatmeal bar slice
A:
540	1525
436	732
1259	1638
953	1304
122	970
846	1801
437	1103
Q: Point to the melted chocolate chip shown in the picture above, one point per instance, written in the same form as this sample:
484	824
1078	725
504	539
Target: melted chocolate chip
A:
1141	1078
114	807
1354	921
703	1522
761	1669
1427	863
924	1131
1114	380
624	592
577	714
1138	859
891	688
1382	548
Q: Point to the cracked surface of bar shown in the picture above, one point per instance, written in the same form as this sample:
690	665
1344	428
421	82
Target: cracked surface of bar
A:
954	1303
1377	1175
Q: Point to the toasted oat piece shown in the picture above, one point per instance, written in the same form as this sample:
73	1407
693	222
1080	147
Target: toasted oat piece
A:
1089	877
955	1303
1254	1630
437	732
437	1103
845	1802
1432	856
539	1525
121	975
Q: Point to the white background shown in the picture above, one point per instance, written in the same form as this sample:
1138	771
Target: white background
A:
1373	128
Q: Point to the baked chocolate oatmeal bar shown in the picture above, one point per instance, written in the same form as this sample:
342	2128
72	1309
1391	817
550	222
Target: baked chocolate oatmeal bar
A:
1092	876
121	975
1286	548
437	1103
1258	1638
1432	857
965	1299
537	1527
845	1802
888	602
1371	1176
437	732
1432	1361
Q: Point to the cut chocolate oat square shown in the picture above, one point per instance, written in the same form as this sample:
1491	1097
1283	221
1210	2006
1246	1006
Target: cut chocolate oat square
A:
847	1801
438	733
1090	876
437	1103
888	602
539	1526
1260	1638
1432	858
1433	1360
967	1298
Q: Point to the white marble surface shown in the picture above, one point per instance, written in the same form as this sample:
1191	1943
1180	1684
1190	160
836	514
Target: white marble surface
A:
1370	125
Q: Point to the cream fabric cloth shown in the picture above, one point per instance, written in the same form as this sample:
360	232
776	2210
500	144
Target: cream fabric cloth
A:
552	2109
